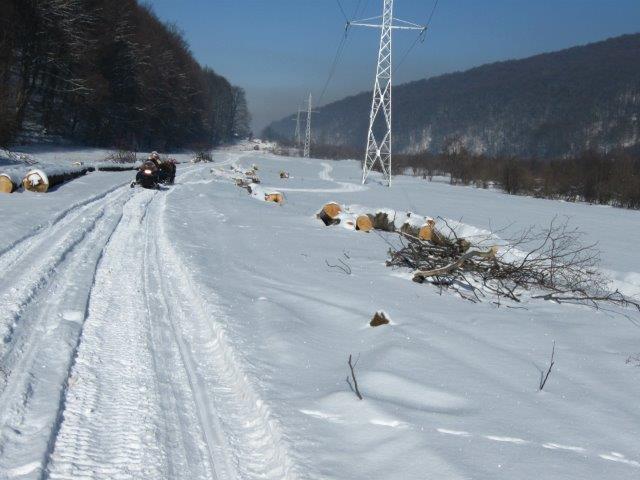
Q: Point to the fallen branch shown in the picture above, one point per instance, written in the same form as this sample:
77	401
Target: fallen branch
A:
343	266
457	264
544	377
354	387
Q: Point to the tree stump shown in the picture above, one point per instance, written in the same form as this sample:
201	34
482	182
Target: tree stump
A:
380	318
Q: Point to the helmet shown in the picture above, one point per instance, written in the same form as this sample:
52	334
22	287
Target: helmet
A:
154	156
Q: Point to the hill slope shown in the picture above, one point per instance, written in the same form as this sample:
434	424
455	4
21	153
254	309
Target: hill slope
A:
546	105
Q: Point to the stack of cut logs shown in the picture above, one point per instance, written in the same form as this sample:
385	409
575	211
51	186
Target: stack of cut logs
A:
249	179
332	214
39	179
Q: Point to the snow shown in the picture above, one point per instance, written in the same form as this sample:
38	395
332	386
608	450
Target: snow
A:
193	332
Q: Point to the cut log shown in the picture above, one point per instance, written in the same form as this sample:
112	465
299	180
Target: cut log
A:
329	213
381	221
426	232
7	183
43	178
410	230
275	197
364	223
36	181
242	182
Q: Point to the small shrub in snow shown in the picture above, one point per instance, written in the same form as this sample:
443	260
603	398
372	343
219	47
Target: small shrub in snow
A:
123	156
203	156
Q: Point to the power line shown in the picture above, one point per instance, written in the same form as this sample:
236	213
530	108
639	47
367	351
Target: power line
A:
332	70
419	38
346	19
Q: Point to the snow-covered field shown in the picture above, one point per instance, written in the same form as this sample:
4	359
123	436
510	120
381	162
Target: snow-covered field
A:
195	332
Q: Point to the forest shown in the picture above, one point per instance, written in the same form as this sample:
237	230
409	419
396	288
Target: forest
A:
111	74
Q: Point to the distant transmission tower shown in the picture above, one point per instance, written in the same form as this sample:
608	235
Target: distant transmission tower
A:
298	133
307	137
380	151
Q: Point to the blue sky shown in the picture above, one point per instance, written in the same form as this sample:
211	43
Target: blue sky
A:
279	50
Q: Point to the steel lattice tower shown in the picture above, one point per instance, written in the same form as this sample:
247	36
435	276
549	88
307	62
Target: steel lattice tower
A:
379	151
298	134
307	137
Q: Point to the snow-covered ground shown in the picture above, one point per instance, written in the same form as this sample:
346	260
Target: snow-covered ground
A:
195	332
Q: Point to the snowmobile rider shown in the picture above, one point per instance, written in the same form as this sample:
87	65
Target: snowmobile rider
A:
155	158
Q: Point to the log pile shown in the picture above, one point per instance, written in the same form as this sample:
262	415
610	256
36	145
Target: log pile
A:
358	219
43	178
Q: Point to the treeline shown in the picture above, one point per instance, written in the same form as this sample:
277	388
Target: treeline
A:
109	73
605	178
611	178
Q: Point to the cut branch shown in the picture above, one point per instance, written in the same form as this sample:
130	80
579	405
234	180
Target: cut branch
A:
354	386
545	376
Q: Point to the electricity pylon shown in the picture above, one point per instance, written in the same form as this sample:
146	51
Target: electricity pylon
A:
298	134
380	151
307	137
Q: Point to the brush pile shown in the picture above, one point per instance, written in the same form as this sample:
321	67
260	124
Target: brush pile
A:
558	266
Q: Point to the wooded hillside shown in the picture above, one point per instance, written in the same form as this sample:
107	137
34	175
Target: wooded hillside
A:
108	73
549	105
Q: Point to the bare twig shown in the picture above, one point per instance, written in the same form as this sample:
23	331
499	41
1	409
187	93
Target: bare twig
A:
343	266
544	376
354	386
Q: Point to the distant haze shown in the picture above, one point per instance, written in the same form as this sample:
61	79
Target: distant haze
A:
279	51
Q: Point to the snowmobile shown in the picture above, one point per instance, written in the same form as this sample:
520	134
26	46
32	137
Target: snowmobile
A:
148	175
167	172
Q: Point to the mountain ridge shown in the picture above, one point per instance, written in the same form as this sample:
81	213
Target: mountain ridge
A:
548	104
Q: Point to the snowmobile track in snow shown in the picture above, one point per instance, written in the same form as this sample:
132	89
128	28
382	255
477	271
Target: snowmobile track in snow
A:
117	366
46	303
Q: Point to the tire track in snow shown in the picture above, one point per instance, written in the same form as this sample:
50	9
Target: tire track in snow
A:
40	355
25	241
28	268
231	412
109	425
